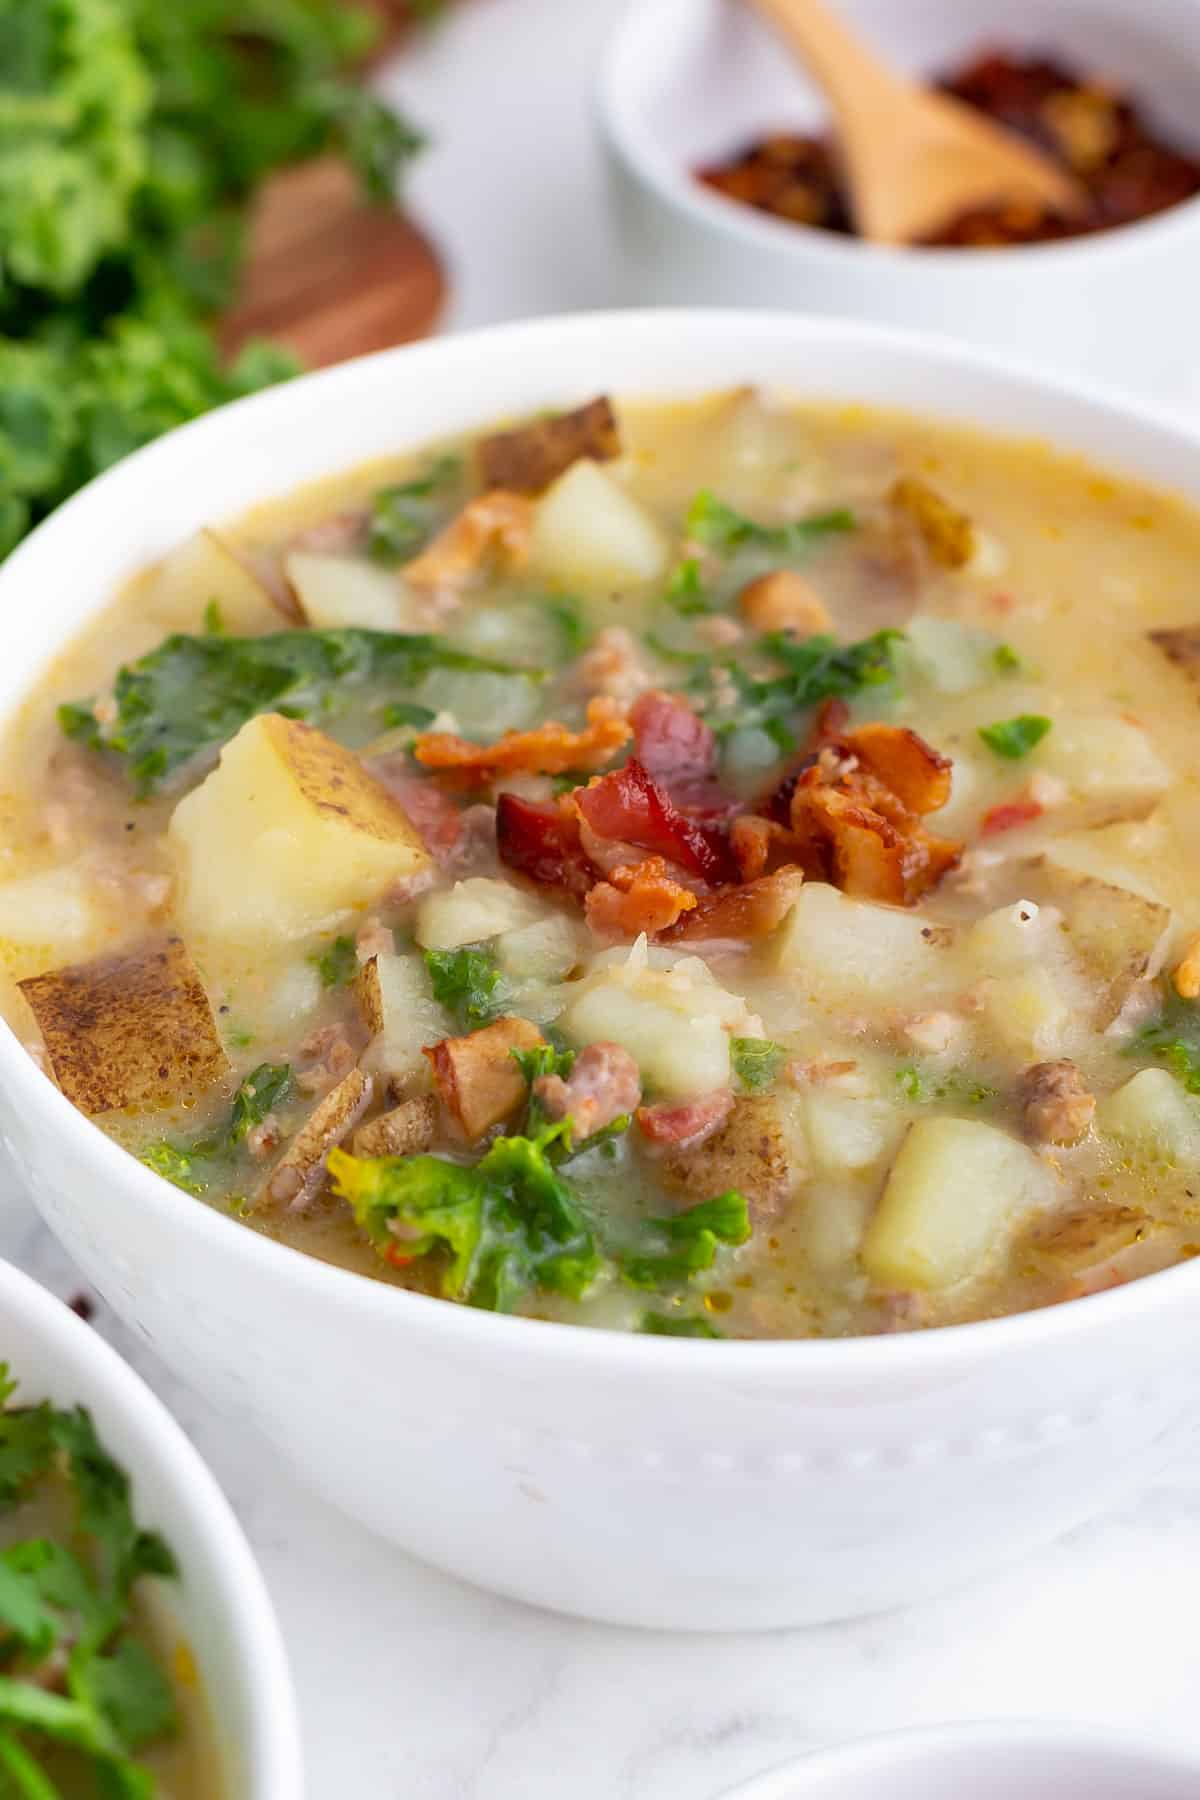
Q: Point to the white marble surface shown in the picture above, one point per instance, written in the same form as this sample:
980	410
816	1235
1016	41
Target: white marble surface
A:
413	1687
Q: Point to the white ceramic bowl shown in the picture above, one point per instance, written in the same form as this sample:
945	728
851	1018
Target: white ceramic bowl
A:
641	1479
219	1600
987	1762
687	81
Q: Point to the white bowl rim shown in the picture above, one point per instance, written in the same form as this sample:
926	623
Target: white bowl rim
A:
876	1754
676	187
780	1359
273	1758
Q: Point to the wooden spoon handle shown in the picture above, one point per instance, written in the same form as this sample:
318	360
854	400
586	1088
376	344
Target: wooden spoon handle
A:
850	73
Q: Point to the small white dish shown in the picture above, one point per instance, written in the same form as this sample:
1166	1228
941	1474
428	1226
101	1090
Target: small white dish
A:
219	1601
688	81
987	1762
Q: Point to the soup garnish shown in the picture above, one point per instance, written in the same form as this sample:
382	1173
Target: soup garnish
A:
89	1703
718	870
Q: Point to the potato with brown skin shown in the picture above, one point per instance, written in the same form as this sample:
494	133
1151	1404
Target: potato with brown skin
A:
750	1152
297	1176
1115	934
476	1077
134	1029
404	1131
531	457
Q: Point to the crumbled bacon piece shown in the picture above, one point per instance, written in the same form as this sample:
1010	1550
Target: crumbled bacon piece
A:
629	804
549	749
604	1085
432	813
684	1124
875	845
751	911
634	899
676	747
1009	815
497	523
918	775
543	843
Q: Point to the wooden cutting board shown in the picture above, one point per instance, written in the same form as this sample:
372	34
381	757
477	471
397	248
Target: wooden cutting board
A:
330	277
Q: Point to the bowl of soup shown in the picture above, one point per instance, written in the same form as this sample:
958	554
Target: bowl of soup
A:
599	940
726	187
138	1644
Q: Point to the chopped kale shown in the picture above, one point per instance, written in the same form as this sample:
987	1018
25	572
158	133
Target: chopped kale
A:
1014	738
756	1062
408	712
688	1242
666	1325
74	1674
923	1086
192	694
813	669
509	1227
338	965
684	591
1005	660
195	1166
1173	1038
468	984
719	527
404	515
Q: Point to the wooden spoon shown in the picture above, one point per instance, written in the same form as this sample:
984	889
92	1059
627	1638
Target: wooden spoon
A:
915	159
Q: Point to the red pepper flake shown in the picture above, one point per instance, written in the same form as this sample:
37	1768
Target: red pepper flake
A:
1008	815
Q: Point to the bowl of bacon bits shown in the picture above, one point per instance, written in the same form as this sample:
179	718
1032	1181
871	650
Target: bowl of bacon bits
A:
730	185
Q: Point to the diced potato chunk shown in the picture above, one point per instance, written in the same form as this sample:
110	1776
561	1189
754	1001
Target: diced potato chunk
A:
336	591
1109	765
750	1152
473	911
956	1191
1151	1112
202	572
135	1029
399	1011
847	1133
843	952
297	1176
1010	939
588	532
1116	935
288	836
1028	1014
55	906
674	1019
547	950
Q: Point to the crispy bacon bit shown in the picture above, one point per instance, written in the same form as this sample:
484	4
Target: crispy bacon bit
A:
644	897
404	1131
751	911
531	457
918	775
1009	815
475	1076
549	749
874	845
543	843
784	601
671	740
946	533
604	1085
684	1124
1057	1107
497	523
432	813
630	805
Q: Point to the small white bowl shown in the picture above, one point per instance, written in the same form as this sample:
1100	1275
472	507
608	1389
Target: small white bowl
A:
688	81
219	1600
644	1480
988	1762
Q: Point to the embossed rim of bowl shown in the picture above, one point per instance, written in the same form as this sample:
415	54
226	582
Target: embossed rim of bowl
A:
175	1491
469	380
636	40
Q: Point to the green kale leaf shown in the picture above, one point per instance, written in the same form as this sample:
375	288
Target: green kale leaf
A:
404	515
923	1087
687	1242
719	527
668	1325
468	984
338	965
193	693
756	1062
1014	738
1173	1038
508	1227
813	669
195	1165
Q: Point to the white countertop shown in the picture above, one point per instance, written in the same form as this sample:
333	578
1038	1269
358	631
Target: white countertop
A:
414	1687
